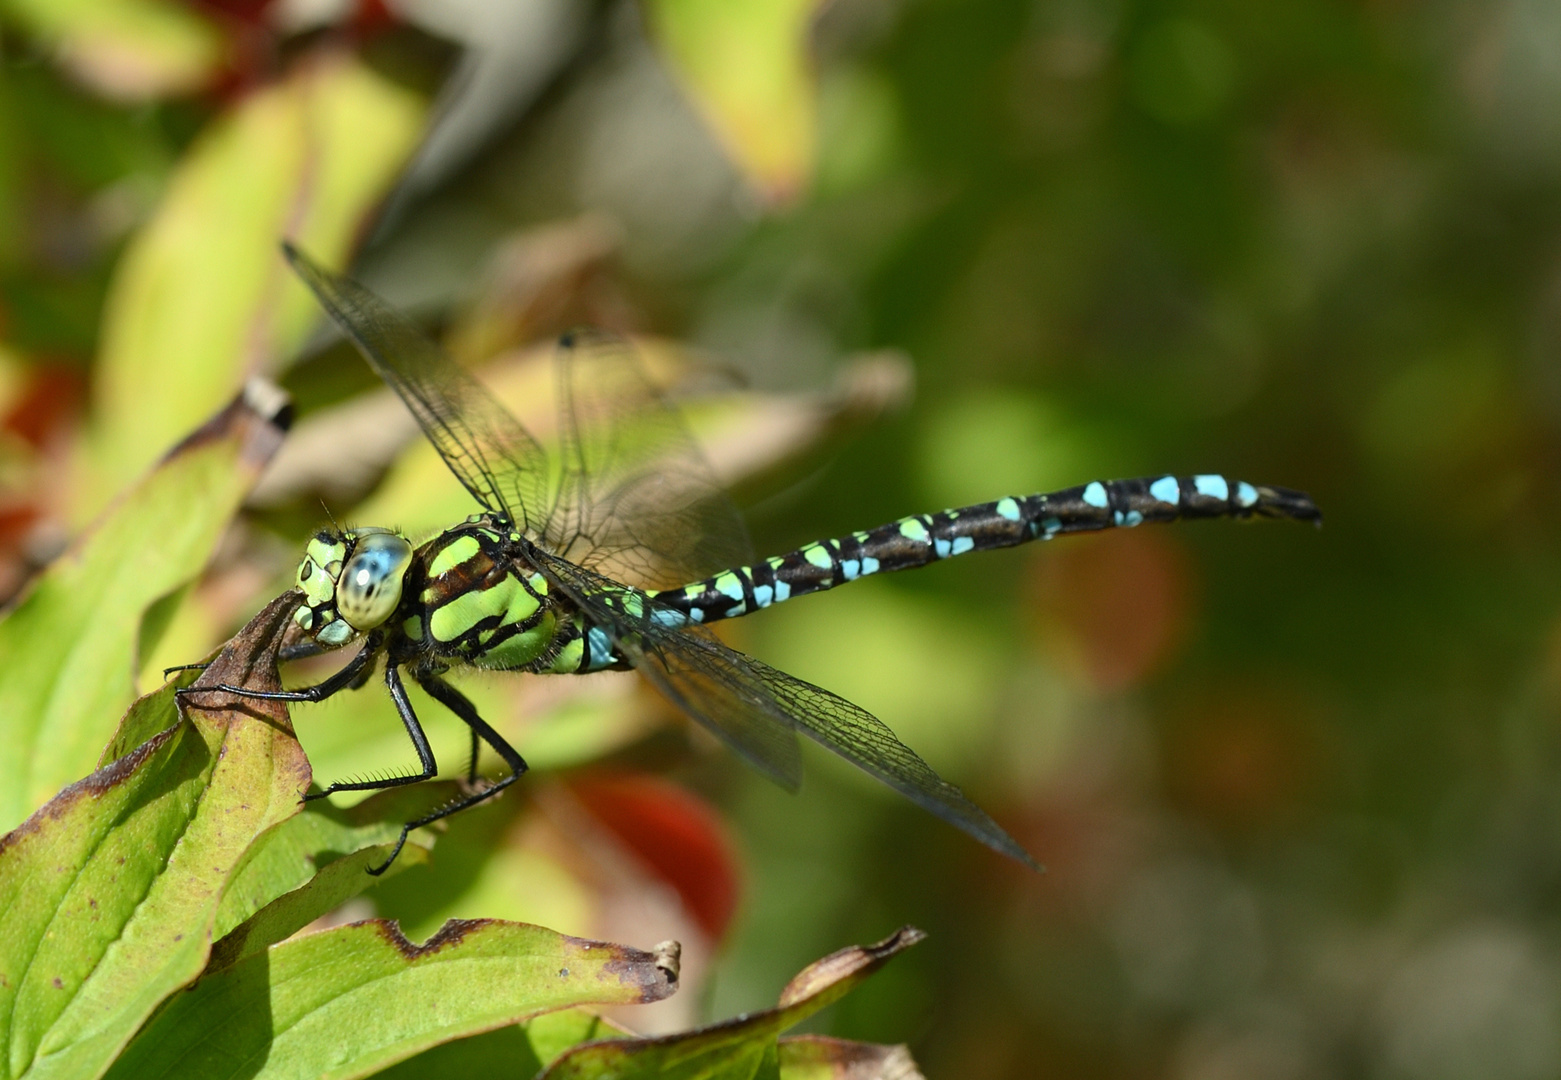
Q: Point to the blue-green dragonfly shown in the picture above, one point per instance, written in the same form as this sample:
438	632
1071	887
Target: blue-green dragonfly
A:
619	551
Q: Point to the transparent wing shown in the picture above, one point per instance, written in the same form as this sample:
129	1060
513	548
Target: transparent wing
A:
637	501
486	448
757	709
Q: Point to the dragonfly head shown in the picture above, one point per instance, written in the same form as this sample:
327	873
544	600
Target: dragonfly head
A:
351	581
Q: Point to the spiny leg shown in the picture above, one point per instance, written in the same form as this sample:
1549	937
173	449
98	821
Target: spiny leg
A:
471	768
456	702
425	754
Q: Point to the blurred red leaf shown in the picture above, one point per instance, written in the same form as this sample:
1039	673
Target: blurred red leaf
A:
249	11
52	395
678	836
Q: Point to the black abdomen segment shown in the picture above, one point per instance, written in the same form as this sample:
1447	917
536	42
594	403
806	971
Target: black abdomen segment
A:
926	538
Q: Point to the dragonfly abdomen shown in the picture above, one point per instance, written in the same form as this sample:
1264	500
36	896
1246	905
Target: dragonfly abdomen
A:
926	538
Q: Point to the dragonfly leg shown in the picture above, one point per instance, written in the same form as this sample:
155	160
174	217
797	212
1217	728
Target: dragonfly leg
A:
457	702
350	675
363	677
302	651
425	753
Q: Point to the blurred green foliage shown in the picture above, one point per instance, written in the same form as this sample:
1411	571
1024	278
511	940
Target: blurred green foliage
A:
1296	792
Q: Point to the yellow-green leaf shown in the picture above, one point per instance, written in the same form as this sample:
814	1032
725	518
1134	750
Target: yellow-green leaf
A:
202	297
347	1002
313	863
70	645
128	49
110	890
746	67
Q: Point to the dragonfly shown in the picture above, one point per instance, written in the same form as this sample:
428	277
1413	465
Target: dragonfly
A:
619	550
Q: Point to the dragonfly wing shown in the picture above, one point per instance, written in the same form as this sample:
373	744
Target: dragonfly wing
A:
691	676
637	502
745	700
867	742
682	672
487	449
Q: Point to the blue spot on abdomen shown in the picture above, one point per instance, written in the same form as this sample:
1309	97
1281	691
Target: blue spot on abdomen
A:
1167	490
1213	486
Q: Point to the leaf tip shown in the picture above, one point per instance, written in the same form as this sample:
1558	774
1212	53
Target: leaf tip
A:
655	974
668	958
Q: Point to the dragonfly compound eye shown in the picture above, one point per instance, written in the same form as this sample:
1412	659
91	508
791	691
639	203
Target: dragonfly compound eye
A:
370	585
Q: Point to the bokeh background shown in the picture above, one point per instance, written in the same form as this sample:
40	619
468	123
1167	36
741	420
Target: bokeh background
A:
1296	791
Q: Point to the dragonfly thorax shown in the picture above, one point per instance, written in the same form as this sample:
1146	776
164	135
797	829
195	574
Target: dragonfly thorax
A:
351	581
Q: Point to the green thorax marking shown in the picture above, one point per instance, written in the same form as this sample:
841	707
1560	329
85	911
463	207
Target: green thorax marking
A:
478	602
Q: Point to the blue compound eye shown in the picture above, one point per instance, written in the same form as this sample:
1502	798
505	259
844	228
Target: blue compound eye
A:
370	585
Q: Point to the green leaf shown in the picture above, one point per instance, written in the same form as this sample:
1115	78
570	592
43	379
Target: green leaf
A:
735	1049
70	645
746	67
337	882
128	49
202	297
520	1050
110	891
149	715
347	1002
314	862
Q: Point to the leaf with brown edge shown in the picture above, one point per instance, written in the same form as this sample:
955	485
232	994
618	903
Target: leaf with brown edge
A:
348	1002
819	1057
148	716
733	1049
111	889
70	644
336	883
